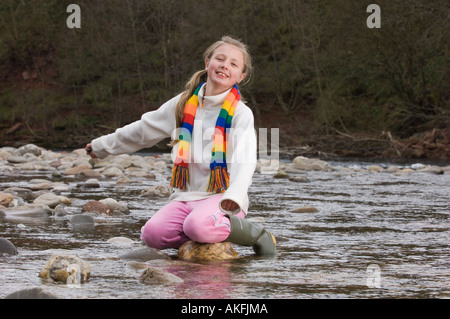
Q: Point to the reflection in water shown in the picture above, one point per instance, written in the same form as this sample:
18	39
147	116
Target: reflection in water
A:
211	280
375	235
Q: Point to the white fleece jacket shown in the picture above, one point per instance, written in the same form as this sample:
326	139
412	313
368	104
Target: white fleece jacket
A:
159	124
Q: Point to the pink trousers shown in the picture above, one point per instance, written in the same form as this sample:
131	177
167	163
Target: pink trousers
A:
177	222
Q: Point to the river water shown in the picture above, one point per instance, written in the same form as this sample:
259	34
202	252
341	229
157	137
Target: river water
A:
375	235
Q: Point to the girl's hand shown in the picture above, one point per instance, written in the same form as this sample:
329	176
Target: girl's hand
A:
88	149
229	205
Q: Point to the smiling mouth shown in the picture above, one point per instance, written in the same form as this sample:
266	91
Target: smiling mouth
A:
222	74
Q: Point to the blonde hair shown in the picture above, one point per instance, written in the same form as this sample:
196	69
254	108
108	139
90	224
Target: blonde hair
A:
201	76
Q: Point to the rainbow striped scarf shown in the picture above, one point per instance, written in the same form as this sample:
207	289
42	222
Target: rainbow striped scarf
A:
219	178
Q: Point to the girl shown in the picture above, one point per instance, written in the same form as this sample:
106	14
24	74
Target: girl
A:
214	147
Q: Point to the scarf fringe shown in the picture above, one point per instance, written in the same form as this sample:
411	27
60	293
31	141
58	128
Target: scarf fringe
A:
219	180
180	176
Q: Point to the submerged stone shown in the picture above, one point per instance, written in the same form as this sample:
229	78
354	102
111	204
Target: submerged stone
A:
31	210
155	276
7	247
82	222
144	254
305	209
32	293
96	207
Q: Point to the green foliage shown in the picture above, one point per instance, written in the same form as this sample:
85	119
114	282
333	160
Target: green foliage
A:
310	56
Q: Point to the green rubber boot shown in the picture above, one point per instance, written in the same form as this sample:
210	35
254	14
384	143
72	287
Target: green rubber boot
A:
245	233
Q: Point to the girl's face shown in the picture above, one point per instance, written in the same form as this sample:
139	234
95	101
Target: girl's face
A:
225	69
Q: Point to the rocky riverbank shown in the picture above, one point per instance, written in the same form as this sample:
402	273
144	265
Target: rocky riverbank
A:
54	196
43	197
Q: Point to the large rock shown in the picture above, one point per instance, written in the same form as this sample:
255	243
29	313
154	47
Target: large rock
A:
31	293
29	148
17	159
67	269
194	251
310	164
32	210
7	247
155	276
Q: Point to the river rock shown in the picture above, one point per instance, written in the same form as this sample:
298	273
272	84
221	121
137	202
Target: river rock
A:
60	211
77	169
194	251
17	159
144	254
29	148
17	202
67	269
82	222
41	186
139	172
51	200
31	210
281	174
5	199
6	152
19	191
305	209
310	164
392	169
123	180
58	189
31	293
155	276
432	169
90	183
81	219
7	247
157	191
299	179
89	172
375	168
96	207
115	207
120	241
113	172
55	163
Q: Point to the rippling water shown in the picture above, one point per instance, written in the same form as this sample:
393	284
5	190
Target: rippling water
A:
375	235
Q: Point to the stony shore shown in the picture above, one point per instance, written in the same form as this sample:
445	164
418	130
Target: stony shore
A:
43	197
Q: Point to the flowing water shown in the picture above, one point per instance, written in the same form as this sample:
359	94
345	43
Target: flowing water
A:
375	235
